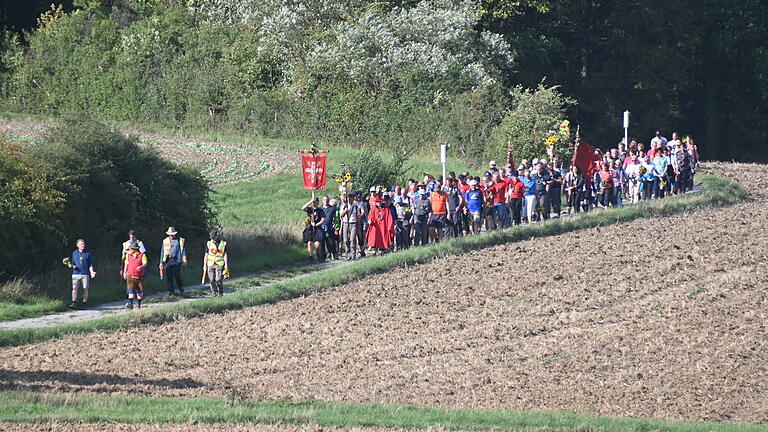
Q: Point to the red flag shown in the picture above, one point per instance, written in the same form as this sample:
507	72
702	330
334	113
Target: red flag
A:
313	168
584	157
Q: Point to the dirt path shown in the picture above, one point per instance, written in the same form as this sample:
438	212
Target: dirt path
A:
118	307
661	317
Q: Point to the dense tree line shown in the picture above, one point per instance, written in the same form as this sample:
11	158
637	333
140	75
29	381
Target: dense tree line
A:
402	73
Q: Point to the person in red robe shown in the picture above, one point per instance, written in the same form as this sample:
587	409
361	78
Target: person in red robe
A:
381	228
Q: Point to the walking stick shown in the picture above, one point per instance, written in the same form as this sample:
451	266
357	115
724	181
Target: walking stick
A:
202	281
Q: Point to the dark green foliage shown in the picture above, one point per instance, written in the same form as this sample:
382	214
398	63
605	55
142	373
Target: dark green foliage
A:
369	169
532	118
695	67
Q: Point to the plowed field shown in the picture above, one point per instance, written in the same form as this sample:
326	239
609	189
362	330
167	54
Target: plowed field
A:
655	318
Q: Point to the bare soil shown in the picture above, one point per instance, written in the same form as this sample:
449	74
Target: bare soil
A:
657	318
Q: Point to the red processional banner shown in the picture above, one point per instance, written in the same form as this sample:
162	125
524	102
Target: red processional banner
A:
313	168
585	157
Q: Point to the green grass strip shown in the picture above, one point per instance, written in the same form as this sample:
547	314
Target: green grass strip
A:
715	192
46	408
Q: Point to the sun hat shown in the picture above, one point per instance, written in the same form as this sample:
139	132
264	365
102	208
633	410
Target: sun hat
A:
171	231
333	202
473	182
535	161
422	191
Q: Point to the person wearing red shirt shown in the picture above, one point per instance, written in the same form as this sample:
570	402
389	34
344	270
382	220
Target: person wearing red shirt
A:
516	192
463	183
606	185
499	200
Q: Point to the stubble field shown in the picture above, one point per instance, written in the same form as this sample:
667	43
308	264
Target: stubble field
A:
660	318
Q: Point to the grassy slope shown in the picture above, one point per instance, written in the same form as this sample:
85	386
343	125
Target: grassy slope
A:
716	192
277	200
34	407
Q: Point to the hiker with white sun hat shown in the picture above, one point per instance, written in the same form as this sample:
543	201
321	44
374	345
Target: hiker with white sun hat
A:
173	255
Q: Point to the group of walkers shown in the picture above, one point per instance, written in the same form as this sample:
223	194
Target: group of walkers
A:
429	210
134	262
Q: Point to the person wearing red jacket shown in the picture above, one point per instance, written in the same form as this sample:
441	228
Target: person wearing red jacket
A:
381	226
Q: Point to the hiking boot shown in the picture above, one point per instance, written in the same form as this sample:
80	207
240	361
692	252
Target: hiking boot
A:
85	303
129	305
72	305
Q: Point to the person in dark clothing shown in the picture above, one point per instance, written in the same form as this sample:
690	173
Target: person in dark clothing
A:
422	209
543	181
313	232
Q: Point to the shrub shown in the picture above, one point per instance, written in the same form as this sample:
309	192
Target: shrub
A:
15	290
85	180
527	124
369	169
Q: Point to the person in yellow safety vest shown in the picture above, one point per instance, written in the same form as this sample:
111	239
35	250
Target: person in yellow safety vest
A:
216	263
173	256
127	248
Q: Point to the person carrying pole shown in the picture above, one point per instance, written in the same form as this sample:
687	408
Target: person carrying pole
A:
216	263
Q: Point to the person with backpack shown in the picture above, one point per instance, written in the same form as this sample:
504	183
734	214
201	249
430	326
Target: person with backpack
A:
173	256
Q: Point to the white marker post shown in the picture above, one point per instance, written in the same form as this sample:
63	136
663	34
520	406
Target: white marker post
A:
443	158
626	130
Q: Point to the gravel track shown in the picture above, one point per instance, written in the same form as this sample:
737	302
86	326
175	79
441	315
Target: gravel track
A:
660	317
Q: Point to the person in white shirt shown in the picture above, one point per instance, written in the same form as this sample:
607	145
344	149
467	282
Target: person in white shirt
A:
632	171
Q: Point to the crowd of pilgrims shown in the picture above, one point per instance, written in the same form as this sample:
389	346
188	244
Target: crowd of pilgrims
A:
429	210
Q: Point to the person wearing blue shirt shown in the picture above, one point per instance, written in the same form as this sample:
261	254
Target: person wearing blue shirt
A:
474	199
82	272
659	163
530	195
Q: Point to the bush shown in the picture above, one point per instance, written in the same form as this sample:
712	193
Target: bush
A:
534	114
162	63
87	181
368	170
15	290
